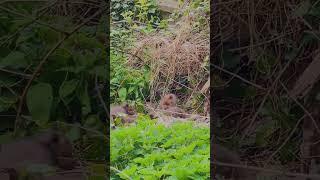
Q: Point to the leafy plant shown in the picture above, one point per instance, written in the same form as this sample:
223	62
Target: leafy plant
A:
130	12
127	83
64	90
152	151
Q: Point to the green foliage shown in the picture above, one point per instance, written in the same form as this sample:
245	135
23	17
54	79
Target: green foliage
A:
64	91
69	72
152	151
120	6
129	11
120	38
39	102
127	83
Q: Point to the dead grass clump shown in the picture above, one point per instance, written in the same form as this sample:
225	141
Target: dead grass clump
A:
178	55
274	49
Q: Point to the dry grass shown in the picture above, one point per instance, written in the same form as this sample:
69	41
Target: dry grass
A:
255	30
179	55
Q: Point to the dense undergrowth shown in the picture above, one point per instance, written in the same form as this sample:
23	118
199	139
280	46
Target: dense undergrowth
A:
52	74
264	51
150	151
138	45
147	150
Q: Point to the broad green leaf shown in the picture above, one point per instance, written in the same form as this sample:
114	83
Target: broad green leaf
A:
68	87
39	101
14	60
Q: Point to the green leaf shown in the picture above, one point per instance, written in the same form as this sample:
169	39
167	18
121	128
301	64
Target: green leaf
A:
122	94
74	133
139	150
68	87
39	102
14	60
85	99
48	35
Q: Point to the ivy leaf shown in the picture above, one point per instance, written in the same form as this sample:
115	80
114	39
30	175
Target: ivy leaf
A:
39	102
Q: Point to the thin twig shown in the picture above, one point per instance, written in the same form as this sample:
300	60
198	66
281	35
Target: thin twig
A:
27	76
267	94
237	76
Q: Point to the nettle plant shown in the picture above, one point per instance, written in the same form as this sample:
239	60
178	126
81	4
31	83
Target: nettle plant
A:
152	151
